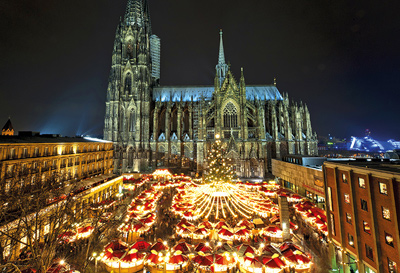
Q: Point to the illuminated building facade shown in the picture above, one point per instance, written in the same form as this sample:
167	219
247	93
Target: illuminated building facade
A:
34	167
31	158
303	175
363	215
153	125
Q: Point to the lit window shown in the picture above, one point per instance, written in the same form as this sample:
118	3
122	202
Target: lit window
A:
389	239
333	224
361	182
348	218
368	251
367	229
351	239
385	213
230	116
364	205
344	178
347	198
383	188
330	204
12	153
392	266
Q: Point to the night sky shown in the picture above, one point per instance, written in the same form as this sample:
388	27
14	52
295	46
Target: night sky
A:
340	57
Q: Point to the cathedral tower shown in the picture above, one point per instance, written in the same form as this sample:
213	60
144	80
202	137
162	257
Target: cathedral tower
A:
8	129
135	69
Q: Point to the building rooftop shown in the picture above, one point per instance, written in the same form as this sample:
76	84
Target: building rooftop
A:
374	164
303	156
36	137
199	92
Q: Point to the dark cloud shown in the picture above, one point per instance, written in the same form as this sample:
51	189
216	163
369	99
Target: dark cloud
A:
339	57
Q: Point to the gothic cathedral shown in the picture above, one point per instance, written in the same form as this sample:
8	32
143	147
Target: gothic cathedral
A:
172	126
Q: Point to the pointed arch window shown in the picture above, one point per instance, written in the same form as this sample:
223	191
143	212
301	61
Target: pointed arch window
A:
128	83
129	50
122	121
130	157
132	121
230	116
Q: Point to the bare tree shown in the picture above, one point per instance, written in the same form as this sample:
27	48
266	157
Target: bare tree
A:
32	216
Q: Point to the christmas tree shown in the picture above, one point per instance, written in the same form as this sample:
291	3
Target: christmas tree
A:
219	171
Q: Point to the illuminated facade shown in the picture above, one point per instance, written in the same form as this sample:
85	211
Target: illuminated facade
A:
48	168
26	161
153	125
363	215
302	175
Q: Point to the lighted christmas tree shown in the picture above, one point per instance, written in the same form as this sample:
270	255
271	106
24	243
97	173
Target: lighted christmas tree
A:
218	171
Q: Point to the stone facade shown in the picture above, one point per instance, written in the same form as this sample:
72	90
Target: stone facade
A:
153	125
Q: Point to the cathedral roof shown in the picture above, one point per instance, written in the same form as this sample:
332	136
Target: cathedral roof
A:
187	93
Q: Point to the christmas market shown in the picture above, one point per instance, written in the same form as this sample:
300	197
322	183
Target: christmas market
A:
222	225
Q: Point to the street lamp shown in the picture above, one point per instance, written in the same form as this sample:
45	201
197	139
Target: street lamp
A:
95	261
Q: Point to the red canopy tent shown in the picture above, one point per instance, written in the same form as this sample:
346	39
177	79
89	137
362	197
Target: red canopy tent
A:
115	249
153	258
220	225
141	245
132	256
225	232
159	246
139	227
288	246
245	248
117	245
201	232
225	247
202	247
178	259
298	259
183	247
246	223
252	262
274	263
202	260
272	229
268	250
242	232
206	224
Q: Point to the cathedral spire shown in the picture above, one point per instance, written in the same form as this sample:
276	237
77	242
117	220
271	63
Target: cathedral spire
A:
134	13
222	68
8	129
221	56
